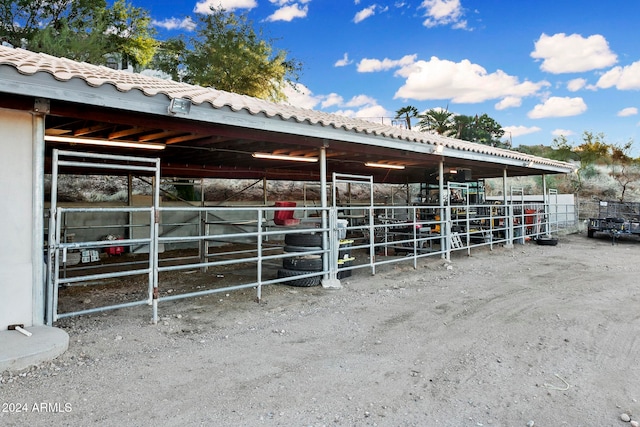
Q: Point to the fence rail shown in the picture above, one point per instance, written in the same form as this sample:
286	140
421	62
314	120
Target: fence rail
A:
347	238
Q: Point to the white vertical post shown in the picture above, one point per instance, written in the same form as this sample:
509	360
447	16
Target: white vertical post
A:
445	224
153	245
37	235
508	213
545	204
52	257
323	205
329	239
505	200
259	248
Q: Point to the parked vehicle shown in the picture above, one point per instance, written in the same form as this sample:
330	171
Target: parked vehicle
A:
616	219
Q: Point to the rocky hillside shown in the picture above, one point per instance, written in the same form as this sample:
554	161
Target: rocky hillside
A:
596	185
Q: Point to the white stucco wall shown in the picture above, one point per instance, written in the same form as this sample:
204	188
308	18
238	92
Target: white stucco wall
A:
16	218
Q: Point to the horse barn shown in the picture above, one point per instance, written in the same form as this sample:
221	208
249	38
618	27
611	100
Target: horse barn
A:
372	194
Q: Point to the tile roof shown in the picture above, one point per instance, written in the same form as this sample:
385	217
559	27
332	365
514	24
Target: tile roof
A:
63	69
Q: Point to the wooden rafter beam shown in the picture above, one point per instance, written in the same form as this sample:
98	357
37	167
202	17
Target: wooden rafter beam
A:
185	138
158	135
125	132
92	129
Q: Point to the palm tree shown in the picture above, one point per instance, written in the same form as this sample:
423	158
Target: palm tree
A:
407	113
463	126
437	120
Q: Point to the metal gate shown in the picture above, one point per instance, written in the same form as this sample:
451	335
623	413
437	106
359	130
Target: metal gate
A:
60	247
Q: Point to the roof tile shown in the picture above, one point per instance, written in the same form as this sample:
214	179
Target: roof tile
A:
62	69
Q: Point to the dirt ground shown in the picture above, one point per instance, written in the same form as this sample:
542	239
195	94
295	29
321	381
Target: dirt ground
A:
534	335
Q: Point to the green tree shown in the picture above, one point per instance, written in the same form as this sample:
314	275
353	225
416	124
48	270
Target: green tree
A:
130	34
22	20
562	150
624	169
406	114
464	127
437	120
169	56
481	129
593	149
83	30
228	54
80	45
488	131
534	150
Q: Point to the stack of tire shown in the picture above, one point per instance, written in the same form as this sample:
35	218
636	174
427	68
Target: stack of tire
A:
302	264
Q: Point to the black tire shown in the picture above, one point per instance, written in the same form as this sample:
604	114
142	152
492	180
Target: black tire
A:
590	233
302	248
306	239
547	241
302	282
303	263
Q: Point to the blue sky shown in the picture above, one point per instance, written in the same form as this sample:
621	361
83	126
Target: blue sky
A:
541	68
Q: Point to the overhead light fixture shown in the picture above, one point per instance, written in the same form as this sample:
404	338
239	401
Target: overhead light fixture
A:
383	165
179	106
285	157
528	164
104	142
438	149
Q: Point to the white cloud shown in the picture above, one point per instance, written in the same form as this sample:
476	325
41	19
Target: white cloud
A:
344	61
331	100
288	13
571	54
367	65
301	96
462	82
438	109
176	24
626	112
361	100
443	12
347	113
576	84
558	107
364	14
623	78
509	102
372	113
360	106
205	6
515	131
562	132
